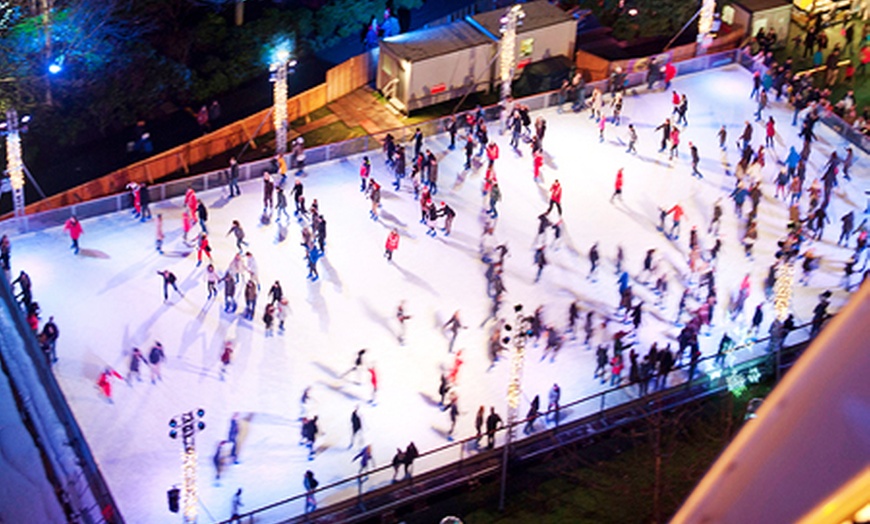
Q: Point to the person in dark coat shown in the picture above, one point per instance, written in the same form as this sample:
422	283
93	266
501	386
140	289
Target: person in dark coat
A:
493	422
355	426
532	415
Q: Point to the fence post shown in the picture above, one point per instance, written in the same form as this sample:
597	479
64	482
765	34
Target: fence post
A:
601	409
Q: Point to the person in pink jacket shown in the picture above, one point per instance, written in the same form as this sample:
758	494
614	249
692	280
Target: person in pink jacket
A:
74	227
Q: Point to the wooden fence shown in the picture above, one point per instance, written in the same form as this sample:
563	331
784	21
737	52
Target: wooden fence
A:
340	80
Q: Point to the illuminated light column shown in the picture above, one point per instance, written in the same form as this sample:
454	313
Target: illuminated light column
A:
507	55
705	25
189	426
783	290
14	163
279	93
514	392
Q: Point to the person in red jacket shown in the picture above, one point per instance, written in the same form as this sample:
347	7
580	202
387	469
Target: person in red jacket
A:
392	244
491	153
555	197
373	375
771	132
538	162
617	186
677	211
74	227
104	382
203	247
365	170
670	73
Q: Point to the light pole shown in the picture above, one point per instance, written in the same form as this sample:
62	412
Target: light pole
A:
514	392
705	25
508	55
280	64
783	290
189	424
12	128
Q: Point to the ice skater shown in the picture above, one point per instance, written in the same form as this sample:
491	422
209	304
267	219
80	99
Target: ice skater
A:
155	358
203	247
226	358
392	244
355	426
75	230
104	383
357	367
540	261
555	197
617	187
236	229
158	233
401	317
453	326
169	279
136	359
594	257
632	140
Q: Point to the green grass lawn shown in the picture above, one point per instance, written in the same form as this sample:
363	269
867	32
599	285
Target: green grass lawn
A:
313	116
334	132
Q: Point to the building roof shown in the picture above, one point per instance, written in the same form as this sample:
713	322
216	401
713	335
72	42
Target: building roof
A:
538	14
757	6
419	45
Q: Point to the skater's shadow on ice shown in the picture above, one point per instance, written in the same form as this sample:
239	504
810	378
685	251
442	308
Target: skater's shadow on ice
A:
376	316
653	160
177	253
414	279
269	419
94	253
145	327
192	333
318	304
124	276
331	274
326	369
386	216
221	201
340	389
430	400
440	432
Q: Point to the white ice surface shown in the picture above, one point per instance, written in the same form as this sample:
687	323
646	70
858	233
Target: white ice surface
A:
109	299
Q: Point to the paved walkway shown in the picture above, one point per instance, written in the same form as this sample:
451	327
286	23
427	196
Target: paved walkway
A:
363	108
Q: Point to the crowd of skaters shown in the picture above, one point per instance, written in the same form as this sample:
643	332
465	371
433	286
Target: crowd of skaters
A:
610	343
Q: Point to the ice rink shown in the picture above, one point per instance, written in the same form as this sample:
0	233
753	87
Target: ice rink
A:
108	299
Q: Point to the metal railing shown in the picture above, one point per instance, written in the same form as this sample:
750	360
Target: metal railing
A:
324	153
464	459
78	482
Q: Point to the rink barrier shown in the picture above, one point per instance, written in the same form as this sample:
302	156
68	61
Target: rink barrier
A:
579	419
335	151
79	485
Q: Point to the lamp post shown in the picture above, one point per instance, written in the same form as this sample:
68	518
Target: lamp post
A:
280	64
514	391
189	425
783	290
12	128
508	55
705	25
